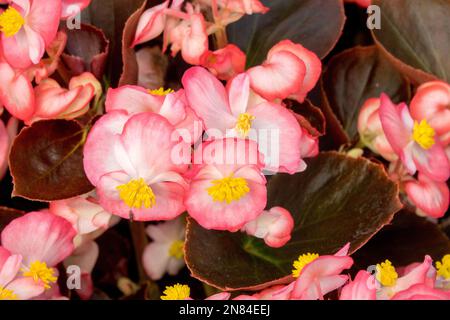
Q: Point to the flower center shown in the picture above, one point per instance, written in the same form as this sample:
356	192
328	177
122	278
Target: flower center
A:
40	273
176	292
301	262
136	193
160	92
6	294
228	189
386	274
176	249
443	268
244	124
11	22
423	134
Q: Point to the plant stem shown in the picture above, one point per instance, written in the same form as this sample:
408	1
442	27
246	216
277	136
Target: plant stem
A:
140	241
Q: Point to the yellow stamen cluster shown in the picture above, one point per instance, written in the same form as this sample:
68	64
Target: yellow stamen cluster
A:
228	189
301	262
41	273
386	274
176	292
244	124
6	294
137	194
160	92
423	134
176	249
443	268
11	22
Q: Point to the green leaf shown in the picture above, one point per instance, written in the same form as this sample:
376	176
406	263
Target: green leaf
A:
336	200
414	33
316	24
408	239
46	161
351	78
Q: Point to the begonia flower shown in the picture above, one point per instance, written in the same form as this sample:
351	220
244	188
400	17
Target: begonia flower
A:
235	112
225	63
70	8
7	135
274	226
290	70
361	288
227	188
129	159
414	142
27	27
43	240
165	253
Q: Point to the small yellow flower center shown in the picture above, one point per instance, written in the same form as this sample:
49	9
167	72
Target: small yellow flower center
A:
228	189
176	249
136	193
176	292
386	274
443	268
6	294
11	22
160	92
423	134
40	273
244	124
301	262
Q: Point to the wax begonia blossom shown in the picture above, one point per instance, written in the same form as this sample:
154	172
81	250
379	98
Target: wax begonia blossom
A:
7	135
227	188
151	23
432	102
371	131
361	288
430	197
391	283
165	253
129	159
13	286
27	27
171	105
290	70
43	240
235	112
414	142
422	292
274	226
70	8
54	102
225	63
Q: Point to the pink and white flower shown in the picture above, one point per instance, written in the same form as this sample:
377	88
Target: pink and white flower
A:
129	158
413	141
430	197
237	112
166	252
227	188
290	70
27	27
43	240
432	102
70	8
274	226
361	288
7	135
225	63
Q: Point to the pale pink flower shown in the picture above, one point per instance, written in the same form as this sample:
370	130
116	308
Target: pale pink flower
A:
43	240
151	24
414	142
70	8
371	131
27	27
7	135
227	188
290	70
432	102
171	105
237	112
166	251
361	288
129	159
274	226
225	63
422	292
430	197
